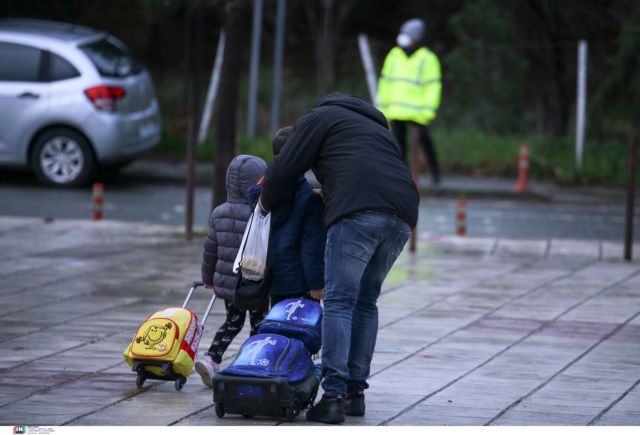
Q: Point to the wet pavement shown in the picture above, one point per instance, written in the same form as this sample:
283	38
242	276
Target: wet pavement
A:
473	331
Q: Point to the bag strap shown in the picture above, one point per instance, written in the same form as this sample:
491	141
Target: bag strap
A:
244	247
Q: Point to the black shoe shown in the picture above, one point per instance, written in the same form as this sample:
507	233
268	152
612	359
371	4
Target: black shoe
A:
328	410
354	404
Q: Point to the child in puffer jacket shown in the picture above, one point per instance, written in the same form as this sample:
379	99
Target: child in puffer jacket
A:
226	228
298	237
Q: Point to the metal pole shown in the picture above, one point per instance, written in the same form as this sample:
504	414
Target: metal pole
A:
367	62
194	72
255	67
581	101
197	63
213	90
188	69
277	65
631	191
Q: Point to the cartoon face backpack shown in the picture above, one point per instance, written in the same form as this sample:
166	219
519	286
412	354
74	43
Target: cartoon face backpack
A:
166	343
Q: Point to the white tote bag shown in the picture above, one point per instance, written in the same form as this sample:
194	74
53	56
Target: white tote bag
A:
252	255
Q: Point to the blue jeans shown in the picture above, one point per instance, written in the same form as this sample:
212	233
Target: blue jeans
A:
360	251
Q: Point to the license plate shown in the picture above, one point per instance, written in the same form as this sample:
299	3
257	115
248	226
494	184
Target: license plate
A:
147	130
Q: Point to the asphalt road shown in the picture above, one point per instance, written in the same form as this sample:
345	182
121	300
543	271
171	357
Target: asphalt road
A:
136	199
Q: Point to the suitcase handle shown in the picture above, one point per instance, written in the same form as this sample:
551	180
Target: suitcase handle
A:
195	285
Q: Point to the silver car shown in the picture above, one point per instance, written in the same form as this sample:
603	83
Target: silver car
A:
72	99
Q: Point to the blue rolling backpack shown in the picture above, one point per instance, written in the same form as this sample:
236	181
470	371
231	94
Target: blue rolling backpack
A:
273	374
297	318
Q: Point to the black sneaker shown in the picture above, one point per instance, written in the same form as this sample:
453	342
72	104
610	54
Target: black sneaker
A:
328	410
354	404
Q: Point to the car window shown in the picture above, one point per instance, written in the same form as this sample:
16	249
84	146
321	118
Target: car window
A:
19	63
110	59
60	68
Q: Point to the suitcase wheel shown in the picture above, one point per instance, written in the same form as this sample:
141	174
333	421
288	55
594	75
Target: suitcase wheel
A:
219	410
292	411
140	378
179	382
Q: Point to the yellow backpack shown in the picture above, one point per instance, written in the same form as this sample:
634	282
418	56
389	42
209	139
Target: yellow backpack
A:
165	345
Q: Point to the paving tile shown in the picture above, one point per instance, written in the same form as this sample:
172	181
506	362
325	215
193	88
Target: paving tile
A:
529	418
574	248
537	248
619	419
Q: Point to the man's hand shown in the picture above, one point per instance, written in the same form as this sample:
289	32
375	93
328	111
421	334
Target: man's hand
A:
317	294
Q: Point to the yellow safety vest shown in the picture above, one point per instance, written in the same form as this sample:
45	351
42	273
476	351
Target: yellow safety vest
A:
409	87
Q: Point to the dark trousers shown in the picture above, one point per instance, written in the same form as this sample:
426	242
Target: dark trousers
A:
400	131
354	273
232	326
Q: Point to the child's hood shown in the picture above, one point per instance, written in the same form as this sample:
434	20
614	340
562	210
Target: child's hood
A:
244	171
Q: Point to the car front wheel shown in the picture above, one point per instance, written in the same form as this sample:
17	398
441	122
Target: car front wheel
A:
62	157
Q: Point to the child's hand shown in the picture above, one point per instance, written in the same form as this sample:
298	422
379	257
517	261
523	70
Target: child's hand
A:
208	286
317	294
319	193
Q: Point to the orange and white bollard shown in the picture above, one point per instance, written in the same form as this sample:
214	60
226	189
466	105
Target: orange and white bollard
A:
461	218
523	169
98	190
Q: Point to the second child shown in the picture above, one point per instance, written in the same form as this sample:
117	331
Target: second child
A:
298	237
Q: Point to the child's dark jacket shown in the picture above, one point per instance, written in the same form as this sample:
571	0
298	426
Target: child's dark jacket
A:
297	241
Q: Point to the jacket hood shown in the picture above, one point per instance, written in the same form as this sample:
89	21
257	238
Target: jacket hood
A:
355	104
244	171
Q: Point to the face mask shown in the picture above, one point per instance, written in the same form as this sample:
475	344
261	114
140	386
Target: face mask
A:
404	40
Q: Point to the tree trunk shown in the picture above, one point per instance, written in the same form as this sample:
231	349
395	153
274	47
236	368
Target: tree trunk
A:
326	49
558	105
556	95
325	24
236	27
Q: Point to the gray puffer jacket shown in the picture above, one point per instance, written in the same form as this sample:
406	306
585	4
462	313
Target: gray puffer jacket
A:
227	223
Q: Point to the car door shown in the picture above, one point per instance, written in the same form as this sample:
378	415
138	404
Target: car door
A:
23	98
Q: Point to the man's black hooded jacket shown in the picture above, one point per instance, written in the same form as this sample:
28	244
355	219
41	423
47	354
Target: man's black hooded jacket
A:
347	143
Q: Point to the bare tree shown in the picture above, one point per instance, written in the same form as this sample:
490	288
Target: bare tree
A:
236	27
556	100
326	18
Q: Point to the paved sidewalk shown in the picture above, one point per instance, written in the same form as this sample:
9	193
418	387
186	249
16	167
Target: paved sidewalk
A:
472	331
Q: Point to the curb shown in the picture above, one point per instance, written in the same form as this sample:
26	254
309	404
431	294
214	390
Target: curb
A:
443	192
470	188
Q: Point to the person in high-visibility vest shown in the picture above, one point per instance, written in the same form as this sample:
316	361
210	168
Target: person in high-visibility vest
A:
409	89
